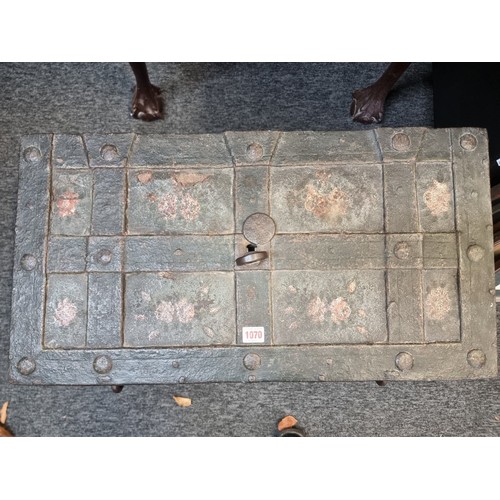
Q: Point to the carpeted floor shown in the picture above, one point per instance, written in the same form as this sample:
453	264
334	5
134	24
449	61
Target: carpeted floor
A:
205	98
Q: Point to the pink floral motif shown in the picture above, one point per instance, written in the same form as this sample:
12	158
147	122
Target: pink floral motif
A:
316	310
340	310
67	203
438	198
190	207
181	311
333	204
185	311
438	304
172	206
65	312
167	206
165	311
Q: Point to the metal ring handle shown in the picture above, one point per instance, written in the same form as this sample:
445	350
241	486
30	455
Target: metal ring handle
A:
251	257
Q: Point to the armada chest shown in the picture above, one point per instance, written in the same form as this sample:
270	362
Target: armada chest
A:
254	256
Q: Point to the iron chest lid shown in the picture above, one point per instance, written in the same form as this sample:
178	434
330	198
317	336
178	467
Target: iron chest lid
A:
251	256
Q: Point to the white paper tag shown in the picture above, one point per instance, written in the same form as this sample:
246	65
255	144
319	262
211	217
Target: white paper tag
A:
253	335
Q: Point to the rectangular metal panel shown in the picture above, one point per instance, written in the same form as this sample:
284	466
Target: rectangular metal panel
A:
368	256
317	148
179	253
29	280
66	254
440	299
104	327
321	307
325	252
440	250
252	193
172	309
71	203
108	209
404	306
329	199
66	311
475	241
400	198
435	198
180	151
180	202
253	307
69	152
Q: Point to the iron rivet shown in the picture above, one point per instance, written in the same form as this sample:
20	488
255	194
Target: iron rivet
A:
476	358
175	364
32	154
493	291
255	151
468	142
117	388
251	378
329	362
182	380
28	262
26	366
404	361
475	253
103	364
251	361
109	152
322	378
104	257
401	142
402	250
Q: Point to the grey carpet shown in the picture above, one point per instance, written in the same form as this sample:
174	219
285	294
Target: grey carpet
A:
205	98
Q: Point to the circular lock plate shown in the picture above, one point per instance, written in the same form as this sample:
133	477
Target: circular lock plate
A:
259	229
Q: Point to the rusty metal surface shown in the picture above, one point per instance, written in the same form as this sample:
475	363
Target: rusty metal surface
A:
251	256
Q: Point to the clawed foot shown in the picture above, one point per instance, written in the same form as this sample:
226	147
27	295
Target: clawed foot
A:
368	105
147	103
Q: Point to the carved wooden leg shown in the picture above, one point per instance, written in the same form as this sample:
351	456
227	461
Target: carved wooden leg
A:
4	432
147	103
368	103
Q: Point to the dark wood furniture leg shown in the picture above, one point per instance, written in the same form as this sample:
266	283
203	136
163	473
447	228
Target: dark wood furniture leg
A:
368	103
147	103
4	432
